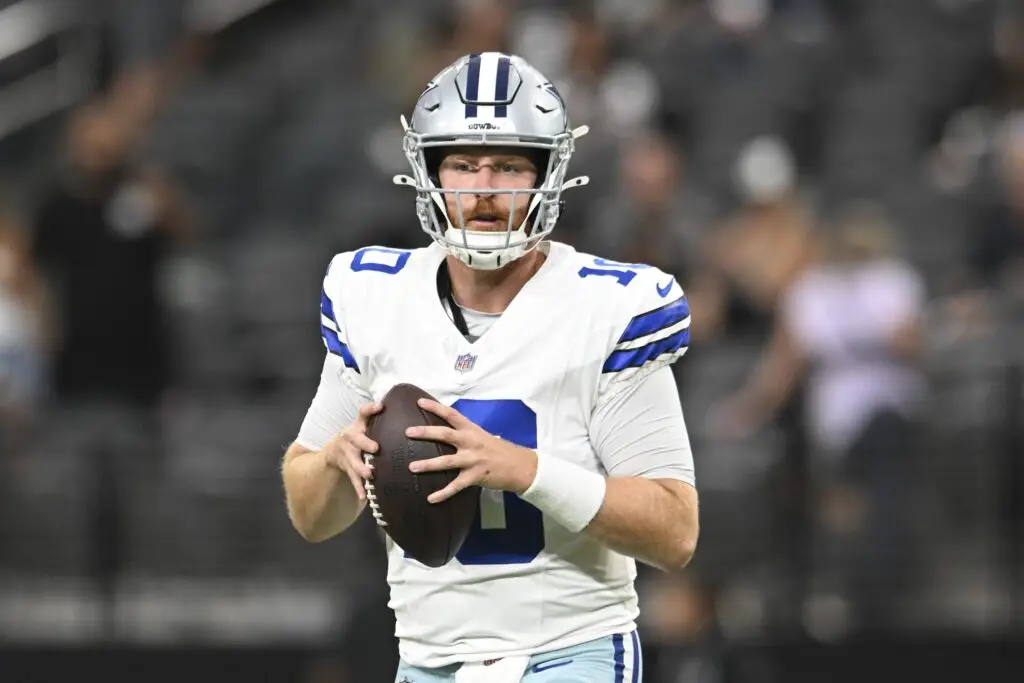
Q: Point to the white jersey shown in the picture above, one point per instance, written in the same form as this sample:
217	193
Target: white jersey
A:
580	334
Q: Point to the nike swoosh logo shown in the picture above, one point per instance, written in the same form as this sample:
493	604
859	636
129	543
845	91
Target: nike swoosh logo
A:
664	290
537	668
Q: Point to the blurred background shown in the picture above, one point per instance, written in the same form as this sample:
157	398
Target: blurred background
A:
839	185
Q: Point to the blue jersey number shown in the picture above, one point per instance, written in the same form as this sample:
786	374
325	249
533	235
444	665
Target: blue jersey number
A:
507	529
623	272
380	259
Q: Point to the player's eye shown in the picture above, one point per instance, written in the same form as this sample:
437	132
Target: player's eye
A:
463	167
508	168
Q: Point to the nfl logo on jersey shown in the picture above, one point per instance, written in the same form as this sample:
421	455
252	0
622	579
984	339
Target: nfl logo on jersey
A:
465	362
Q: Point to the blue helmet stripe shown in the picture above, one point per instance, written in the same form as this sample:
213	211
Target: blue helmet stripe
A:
501	86
472	85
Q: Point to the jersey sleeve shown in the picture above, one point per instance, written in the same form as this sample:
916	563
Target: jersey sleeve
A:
334	407
641	431
653	332
332	322
341	390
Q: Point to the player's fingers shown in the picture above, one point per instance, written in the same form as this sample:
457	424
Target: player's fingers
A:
361	466
348	461
438	464
357	483
447	413
435	433
369	410
460	482
361	442
343	455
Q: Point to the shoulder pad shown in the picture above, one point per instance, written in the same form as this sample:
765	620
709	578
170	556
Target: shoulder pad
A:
654	319
356	283
332	311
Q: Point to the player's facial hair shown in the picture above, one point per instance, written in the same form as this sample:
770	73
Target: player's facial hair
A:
488	206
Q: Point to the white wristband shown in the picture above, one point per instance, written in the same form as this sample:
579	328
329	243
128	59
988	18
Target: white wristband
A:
566	492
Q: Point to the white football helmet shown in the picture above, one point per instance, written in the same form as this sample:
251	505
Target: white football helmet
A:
497	99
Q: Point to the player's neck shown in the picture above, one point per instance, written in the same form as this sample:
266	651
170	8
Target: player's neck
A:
491	291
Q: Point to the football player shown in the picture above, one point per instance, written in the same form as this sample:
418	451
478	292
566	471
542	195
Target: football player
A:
552	368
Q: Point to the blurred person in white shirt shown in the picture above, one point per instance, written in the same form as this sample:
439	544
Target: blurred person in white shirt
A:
849	329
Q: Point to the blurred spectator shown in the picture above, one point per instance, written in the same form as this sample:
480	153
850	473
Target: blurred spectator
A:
852	325
1009	51
470	26
997	251
752	259
102	229
24	334
144	31
612	92
684	640
653	218
101	232
482	25
729	74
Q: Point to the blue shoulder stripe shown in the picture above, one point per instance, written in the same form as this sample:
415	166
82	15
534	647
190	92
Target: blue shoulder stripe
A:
635	358
334	344
658	319
331	339
327	308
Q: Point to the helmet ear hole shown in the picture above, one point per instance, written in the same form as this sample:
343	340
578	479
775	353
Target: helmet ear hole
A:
540	158
432	157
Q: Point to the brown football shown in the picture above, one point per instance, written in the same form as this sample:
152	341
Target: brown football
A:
430	533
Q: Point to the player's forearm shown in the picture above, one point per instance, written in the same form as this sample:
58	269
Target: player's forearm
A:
321	501
653	521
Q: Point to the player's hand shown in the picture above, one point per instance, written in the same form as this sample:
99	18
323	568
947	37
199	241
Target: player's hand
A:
345	451
484	459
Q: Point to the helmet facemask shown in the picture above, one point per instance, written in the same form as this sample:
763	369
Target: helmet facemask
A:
494	100
486	250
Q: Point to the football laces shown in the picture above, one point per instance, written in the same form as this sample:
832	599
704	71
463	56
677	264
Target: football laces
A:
371	493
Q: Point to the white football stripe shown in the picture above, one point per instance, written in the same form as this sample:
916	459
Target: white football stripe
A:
654	336
328	323
488	80
627	658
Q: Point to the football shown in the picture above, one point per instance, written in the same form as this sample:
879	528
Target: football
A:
430	533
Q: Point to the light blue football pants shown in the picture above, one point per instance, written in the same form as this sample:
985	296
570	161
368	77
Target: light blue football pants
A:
614	659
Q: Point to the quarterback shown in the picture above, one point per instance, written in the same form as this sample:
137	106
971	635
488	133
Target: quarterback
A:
552	368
